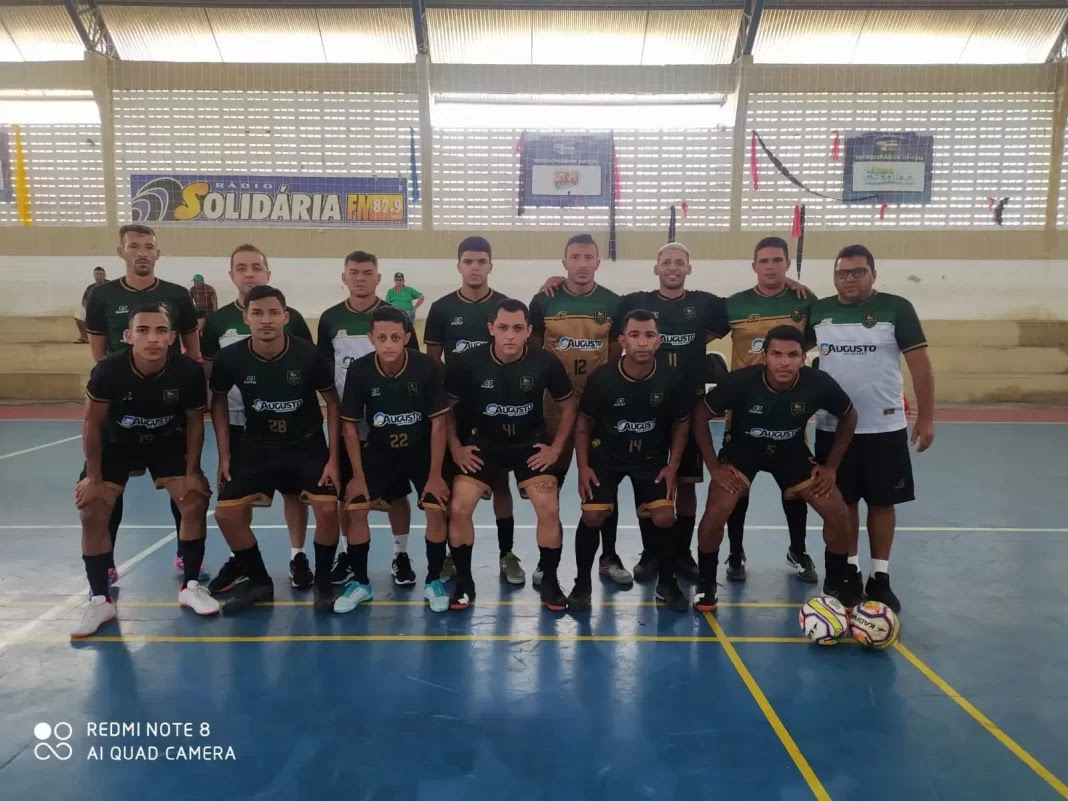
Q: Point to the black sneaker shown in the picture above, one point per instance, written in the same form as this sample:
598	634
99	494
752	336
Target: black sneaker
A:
403	575
325	595
581	597
463	595
341	573
553	596
647	568
736	566
300	573
249	593
803	564
878	589
686	568
704	598
849	591
671	596
229	576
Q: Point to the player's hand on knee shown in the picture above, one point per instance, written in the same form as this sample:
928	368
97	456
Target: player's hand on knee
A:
437	487
824	480
587	481
545	456
466	459
728	477
196	484
668	475
88	491
356	491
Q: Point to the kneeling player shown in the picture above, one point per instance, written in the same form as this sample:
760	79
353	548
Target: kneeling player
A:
282	449
145	411
634	416
769	406
497	392
398	392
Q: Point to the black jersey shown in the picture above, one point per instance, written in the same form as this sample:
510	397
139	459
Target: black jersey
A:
459	324
279	394
632	417
759	415
501	403
146	407
107	312
397	409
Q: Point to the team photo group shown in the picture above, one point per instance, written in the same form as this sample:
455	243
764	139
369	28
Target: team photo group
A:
361	417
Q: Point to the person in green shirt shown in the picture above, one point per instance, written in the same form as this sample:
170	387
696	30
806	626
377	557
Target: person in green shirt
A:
406	298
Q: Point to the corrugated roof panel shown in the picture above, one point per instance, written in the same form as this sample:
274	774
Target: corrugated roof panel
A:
263	35
142	33
1014	37
588	37
43	33
691	37
367	35
8	50
788	36
482	36
914	37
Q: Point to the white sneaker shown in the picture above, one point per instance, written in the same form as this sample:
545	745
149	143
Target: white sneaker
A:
436	596
352	596
198	599
100	611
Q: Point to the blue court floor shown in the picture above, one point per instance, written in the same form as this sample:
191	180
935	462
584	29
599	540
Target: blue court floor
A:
396	703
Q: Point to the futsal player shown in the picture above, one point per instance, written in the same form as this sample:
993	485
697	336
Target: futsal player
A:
862	334
398	393
752	313
457	323
634	423
769	406
498	427
106	320
144	411
283	448
249	269
344	337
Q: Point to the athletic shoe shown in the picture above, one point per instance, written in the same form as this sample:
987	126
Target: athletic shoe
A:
352	596
671	596
463	595
736	566
325	597
581	597
403	575
686	568
99	611
849	590
341	573
803	564
436	597
878	589
300	572
247	594
704	599
196	597
647	568
179	566
229	576
513	573
448	569
611	568
553	596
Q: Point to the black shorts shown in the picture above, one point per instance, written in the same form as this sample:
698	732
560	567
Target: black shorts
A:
391	478
498	462
163	460
257	473
648	495
399	490
789	463
876	468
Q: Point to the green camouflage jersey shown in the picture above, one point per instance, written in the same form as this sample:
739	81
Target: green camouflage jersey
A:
227	326
107	312
459	324
577	328
752	315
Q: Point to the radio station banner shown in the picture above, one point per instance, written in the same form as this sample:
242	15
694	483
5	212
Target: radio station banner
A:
559	170
310	201
888	168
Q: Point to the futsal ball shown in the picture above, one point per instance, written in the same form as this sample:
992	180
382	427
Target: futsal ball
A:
874	625
824	620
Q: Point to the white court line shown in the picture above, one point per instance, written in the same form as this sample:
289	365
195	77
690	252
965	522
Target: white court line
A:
39	447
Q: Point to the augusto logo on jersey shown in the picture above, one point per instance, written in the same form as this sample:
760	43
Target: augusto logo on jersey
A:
507	410
467	344
848	350
635	427
382	419
277	406
571	343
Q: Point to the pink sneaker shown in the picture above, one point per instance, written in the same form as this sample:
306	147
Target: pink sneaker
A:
179	565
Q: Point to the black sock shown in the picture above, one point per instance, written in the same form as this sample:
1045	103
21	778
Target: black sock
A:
176	513
435	558
357	561
324	563
796	520
835	564
586	542
192	553
649	541
736	523
251	561
461	559
684	526
550	561
96	570
113	528
505	534
708	564
662	543
608	533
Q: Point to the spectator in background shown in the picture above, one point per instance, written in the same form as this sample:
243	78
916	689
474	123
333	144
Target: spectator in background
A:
204	299
99	277
405	298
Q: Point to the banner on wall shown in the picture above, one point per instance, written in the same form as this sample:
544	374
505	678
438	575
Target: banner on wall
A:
565	170
893	167
284	200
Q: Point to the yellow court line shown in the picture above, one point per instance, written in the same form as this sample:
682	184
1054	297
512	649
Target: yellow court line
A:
1018	751
415	638
520	603
762	701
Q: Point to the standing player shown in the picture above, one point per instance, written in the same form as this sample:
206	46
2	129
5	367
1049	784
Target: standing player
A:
752	313
282	448
398	392
498	427
99	277
575	323
249	269
862	334
635	424
145	411
106	318
344	336
458	323
769	406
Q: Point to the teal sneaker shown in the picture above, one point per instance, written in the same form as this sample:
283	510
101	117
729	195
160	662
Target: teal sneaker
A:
352	596
436	596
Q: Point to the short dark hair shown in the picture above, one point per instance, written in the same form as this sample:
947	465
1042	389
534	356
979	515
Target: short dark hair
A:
247	249
263	293
361	257
389	314
474	244
510	305
581	239
772	242
640	316
135	228
150	308
98	269
785	333
855	252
